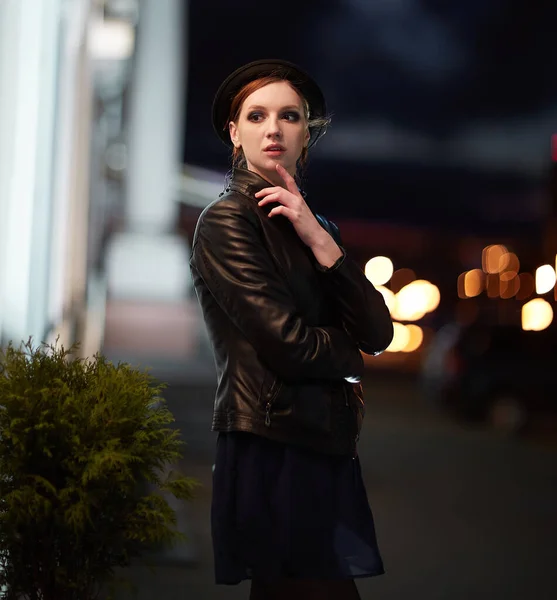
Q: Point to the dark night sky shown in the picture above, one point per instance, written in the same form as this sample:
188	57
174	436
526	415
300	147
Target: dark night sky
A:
426	66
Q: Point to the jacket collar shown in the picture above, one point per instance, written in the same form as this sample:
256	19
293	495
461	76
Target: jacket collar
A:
247	182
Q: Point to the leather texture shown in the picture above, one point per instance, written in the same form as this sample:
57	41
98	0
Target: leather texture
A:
285	331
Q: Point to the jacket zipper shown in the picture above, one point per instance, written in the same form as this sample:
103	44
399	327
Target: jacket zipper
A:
272	395
357	436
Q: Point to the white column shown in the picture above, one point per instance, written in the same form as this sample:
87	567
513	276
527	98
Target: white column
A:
156	113
29	33
147	262
70	189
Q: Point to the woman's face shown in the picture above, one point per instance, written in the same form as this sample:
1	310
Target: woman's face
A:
271	129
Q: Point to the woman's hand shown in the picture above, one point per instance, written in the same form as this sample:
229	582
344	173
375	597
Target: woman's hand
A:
294	208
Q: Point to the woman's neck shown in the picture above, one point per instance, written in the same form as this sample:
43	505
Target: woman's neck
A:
273	177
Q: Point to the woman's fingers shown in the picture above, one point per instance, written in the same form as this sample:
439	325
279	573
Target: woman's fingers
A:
291	187
276	197
280	195
288	179
269	190
289	197
284	211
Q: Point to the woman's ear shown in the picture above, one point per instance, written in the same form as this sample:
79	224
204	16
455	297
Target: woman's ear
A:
233	130
308	137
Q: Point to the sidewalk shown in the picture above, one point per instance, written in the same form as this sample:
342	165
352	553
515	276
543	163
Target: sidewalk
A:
460	514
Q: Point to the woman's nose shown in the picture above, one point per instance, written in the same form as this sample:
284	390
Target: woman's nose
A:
274	127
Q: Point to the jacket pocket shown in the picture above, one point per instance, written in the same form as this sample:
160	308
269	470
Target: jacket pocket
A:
300	406
311	406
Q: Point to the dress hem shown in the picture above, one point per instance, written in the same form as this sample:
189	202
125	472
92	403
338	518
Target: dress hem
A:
365	575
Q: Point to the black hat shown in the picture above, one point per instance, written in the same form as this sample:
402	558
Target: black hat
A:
262	68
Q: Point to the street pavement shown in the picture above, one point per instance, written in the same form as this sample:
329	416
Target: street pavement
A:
461	513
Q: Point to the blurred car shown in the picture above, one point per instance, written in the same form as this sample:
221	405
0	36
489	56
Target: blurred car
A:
500	375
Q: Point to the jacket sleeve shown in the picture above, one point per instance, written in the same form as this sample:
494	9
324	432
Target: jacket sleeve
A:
229	256
362	308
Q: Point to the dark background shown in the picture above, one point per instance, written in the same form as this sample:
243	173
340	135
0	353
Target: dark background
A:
425	69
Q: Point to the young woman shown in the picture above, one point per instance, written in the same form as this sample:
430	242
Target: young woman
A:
288	313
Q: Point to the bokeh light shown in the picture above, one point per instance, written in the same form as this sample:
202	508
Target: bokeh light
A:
415	338
527	286
473	283
537	315
406	338
512	266
401	338
415	300
379	270
460	286
509	287
495	259
545	279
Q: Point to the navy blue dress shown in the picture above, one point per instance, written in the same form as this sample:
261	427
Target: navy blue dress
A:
280	510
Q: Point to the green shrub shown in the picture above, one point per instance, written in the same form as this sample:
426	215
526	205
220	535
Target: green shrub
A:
85	448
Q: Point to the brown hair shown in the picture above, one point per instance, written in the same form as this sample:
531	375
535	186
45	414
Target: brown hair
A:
238	158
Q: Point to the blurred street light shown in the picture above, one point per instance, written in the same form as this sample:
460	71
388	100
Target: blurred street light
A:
415	300
407	338
415	338
473	283
379	270
536	315
401	338
509	287
512	266
495	259
545	279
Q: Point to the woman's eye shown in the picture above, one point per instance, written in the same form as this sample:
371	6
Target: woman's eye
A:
256	117
292	116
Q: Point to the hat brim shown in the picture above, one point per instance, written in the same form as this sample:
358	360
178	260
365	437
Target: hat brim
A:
262	68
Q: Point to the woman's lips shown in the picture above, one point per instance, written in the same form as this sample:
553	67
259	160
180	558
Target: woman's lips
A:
276	152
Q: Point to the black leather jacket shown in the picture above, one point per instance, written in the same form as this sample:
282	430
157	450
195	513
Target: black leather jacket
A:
286	332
